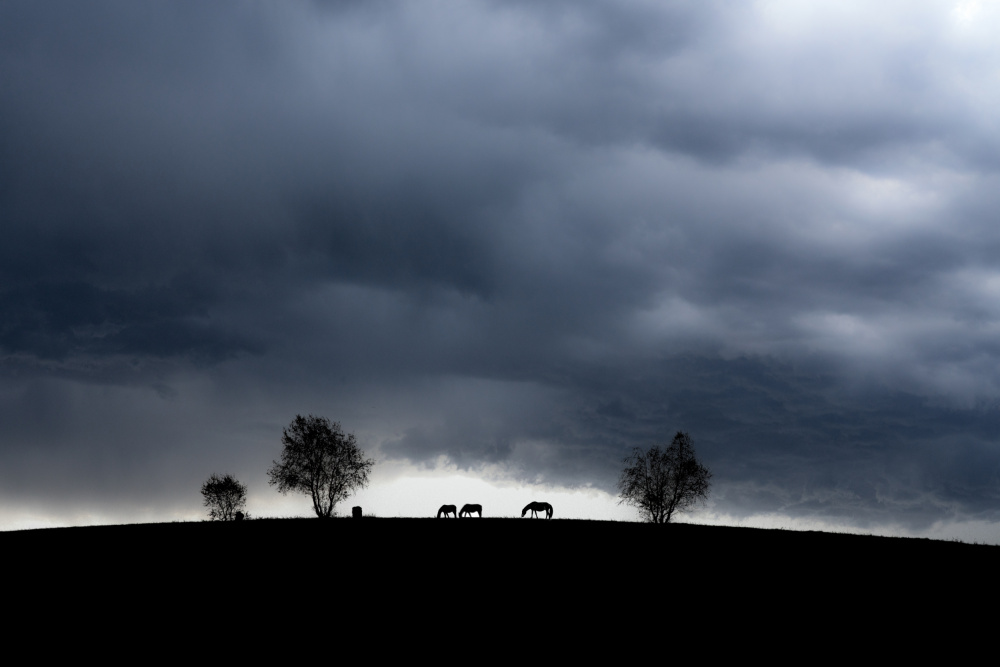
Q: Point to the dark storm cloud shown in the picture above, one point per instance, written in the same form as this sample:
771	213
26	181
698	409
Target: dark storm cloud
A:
55	320
562	231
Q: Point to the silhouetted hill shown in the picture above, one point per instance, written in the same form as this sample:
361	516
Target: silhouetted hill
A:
394	575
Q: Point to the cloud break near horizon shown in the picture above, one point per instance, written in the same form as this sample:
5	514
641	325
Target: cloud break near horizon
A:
503	244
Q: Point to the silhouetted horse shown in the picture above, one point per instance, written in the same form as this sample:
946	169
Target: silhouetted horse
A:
467	510
446	510
537	507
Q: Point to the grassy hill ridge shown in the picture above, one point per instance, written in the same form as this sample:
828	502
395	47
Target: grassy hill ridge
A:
373	575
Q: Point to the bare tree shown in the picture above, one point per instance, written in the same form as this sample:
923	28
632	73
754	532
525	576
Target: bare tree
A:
321	460
660	482
225	497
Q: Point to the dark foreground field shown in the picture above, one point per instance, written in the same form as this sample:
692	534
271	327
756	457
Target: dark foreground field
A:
442	553
372	575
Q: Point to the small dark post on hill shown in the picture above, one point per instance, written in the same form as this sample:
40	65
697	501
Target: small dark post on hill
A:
321	460
356	512
660	482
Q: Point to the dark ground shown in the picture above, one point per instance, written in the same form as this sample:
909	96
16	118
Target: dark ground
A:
593	580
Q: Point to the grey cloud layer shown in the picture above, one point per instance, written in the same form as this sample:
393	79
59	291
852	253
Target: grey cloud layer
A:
772	228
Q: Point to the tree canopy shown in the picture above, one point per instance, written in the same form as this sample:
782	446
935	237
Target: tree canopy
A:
225	497
663	481
320	460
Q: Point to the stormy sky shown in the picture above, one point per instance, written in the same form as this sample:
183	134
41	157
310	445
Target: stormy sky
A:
503	243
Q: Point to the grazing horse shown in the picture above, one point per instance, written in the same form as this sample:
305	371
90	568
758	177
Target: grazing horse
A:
537	507
467	510
446	510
